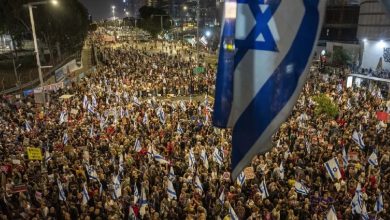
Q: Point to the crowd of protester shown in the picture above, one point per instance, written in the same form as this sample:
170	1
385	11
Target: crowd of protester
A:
380	73
105	138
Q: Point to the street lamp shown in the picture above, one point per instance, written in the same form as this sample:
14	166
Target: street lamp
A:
113	11
30	9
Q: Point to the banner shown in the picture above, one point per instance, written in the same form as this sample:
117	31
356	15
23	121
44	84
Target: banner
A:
34	153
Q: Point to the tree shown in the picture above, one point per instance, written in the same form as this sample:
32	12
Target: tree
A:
325	106
340	57
151	22
64	26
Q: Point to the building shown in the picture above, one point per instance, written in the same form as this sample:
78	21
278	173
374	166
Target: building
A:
374	34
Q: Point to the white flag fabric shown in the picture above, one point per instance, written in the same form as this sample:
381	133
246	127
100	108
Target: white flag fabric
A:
357	200
85	194
28	126
117	187
65	138
137	145
85	102
145	119
241	178
221	198
264	190
171	191
143	202
379	204
171	175
332	166
232	214
358	138
373	159
300	188
159	158
203	157
281	171
198	184
365	215
179	129
331	215
136	194
345	158
191	160
217	156
92	174
265	52
61	192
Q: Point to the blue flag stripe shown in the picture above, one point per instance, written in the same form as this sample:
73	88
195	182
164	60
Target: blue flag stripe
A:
280	86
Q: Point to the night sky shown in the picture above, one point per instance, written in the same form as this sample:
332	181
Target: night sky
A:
101	9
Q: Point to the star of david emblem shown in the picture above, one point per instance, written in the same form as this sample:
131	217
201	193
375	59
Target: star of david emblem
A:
260	36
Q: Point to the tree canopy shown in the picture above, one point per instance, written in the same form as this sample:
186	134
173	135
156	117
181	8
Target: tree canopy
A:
65	24
151	19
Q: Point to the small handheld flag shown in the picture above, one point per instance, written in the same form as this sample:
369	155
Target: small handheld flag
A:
217	156
345	158
358	138
198	184
379	204
241	178
171	191
61	192
232	214
85	194
136	194
137	145
300	188
332	166
373	159
264	190
203	157
221	198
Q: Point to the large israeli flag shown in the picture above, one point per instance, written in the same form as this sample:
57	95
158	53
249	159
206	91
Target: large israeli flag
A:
332	166
266	49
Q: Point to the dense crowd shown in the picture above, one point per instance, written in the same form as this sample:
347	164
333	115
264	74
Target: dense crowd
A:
380	73
113	149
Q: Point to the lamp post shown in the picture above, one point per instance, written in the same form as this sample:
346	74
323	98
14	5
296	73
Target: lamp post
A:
113	12
30	9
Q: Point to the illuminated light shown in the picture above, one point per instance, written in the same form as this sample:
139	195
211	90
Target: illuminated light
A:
381	44
230	10
208	33
364	40
323	52
54	2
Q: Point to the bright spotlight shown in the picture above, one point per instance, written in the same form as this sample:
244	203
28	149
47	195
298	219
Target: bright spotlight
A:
54	2
364	40
208	33
381	44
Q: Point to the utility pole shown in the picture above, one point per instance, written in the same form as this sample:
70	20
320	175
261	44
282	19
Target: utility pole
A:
197	32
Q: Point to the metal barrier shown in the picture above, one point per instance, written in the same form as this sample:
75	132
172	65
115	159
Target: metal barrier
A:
45	76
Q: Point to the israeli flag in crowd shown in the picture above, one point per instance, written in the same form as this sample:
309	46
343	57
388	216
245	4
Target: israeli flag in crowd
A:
179	129
183	106
137	145
63	117
345	158
159	158
143	201
331	214
91	109
264	190
241	178
221	197
266	49
28	126
171	175
300	188
117	188
145	119
365	215
203	157
191	160
358	138
65	138
379	204
281	171
85	194
94	103
61	192
136	194
373	159
332	166
161	115
121	165
136	101
232	214
85	102
171	191
357	200
198	184
92	174
217	156
47	156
